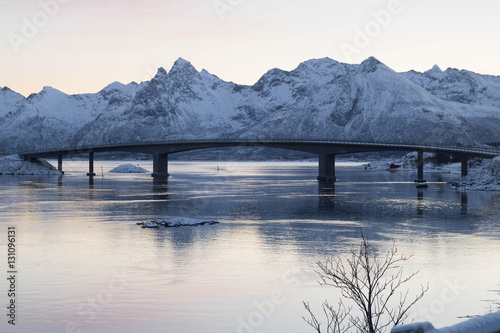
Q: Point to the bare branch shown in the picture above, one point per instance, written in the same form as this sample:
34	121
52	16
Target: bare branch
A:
313	322
371	284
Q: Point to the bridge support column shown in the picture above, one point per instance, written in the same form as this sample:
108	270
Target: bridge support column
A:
465	162
420	168
160	166
326	169
59	164
91	165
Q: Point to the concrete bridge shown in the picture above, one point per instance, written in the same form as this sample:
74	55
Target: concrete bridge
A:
325	149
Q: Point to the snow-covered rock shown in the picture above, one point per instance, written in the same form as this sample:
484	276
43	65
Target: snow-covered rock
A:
14	165
149	224
128	168
483	175
489	323
413	328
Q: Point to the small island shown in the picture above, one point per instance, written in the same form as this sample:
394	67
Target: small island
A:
128	168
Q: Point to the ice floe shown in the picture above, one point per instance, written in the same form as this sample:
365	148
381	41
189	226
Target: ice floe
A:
176	222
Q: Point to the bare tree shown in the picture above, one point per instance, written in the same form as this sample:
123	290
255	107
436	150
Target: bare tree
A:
335	318
370	283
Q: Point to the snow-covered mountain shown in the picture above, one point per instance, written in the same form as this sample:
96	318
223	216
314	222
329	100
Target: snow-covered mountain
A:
459	86
51	118
320	99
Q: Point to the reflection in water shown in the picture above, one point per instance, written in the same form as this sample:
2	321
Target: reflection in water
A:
91	188
463	203
160	188
420	202
60	185
326	195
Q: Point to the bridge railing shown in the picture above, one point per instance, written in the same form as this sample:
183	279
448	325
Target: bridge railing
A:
458	149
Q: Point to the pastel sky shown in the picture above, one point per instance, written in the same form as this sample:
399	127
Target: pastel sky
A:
80	46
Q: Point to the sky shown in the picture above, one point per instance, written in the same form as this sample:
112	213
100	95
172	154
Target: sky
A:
81	46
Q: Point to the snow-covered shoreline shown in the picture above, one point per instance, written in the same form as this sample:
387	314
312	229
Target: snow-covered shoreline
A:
483	175
14	165
408	162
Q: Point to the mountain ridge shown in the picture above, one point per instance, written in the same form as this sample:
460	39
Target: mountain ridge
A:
320	99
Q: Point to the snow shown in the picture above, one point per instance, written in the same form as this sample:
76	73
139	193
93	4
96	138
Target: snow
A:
128	168
489	323
149	224
483	175
14	165
413	328
178	222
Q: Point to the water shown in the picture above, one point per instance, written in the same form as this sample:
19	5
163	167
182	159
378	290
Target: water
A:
84	266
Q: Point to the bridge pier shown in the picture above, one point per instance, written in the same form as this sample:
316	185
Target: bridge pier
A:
160	166
91	164
420	167
326	168
59	163
465	169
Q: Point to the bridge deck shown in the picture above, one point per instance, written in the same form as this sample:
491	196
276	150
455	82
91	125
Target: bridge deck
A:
325	149
312	146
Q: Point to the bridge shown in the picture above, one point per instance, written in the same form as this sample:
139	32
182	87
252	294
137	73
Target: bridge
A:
325	149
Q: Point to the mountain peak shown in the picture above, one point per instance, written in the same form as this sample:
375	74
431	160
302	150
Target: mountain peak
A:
50	90
370	65
182	64
114	86
161	72
435	69
118	86
317	63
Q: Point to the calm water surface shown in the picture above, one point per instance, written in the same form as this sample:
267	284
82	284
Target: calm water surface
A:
84	266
